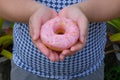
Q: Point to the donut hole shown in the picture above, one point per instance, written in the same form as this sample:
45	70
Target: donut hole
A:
59	30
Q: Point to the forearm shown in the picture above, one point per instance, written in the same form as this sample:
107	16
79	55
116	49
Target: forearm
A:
18	10
101	10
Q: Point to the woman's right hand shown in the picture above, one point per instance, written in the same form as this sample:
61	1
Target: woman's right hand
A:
39	17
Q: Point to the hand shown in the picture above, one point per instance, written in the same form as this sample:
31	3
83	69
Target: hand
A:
74	13
39	17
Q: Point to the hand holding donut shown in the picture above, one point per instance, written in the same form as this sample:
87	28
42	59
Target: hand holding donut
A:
67	15
74	13
38	18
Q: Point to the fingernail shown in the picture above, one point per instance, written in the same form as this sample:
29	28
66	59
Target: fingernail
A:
62	58
34	37
72	49
52	60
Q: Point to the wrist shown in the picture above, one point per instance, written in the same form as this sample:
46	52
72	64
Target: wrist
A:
82	7
33	8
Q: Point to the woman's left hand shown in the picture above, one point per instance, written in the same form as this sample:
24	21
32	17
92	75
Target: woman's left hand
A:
74	13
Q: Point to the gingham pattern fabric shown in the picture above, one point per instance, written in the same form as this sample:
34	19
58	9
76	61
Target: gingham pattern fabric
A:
83	63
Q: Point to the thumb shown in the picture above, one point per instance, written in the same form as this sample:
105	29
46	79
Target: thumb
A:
83	27
34	28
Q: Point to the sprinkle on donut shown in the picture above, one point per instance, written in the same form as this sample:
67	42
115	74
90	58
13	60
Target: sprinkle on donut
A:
59	33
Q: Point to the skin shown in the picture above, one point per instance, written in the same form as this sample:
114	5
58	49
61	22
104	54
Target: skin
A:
92	11
73	12
34	14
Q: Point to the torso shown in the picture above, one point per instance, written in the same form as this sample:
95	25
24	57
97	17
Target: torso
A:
84	62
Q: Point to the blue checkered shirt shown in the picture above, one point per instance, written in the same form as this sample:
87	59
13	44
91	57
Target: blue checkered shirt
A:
83	63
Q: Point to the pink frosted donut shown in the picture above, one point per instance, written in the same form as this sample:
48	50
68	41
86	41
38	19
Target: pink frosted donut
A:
59	33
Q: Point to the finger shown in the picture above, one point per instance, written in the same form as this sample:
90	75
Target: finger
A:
30	29
63	54
62	57
34	28
54	57
42	48
83	27
66	53
77	47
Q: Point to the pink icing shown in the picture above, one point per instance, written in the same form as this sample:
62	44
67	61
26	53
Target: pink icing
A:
59	33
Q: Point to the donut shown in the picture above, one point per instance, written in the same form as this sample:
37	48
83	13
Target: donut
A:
59	33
